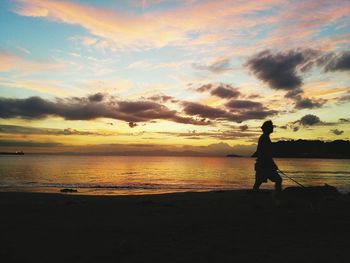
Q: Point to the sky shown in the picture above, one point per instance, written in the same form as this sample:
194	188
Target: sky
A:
180	76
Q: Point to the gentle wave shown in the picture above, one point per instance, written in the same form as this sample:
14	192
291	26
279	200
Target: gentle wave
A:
116	174
122	187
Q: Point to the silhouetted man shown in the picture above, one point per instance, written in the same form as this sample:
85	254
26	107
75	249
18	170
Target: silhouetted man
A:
265	167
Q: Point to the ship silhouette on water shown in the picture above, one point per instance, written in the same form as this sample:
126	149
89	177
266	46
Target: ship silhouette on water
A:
12	153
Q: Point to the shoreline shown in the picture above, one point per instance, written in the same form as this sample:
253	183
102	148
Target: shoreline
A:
115	192
175	227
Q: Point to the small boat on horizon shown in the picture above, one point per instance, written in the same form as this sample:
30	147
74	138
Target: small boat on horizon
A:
12	153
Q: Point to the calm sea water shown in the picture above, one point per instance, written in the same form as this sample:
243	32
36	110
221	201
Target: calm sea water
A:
145	175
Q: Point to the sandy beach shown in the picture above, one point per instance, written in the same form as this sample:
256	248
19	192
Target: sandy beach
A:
182	227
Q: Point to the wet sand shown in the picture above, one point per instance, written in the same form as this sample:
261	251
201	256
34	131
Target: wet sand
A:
230	226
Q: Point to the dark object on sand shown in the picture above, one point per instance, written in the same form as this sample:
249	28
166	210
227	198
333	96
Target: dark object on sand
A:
326	190
313	197
68	190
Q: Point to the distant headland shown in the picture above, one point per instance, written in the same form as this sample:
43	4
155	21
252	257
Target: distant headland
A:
338	149
12	153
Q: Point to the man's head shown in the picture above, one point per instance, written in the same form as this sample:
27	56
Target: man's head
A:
267	127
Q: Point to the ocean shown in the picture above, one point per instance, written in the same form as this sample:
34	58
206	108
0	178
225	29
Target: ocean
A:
121	175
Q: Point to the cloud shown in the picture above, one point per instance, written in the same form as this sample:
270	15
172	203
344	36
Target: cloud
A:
221	135
204	111
163	98
344	120
132	124
243	104
225	92
42	86
338	62
337	132
14	129
119	29
310	120
280	70
82	108
294	94
306	103
13	62
255	114
239	115
343	99
243	128
295	128
205	87
217	66
98	97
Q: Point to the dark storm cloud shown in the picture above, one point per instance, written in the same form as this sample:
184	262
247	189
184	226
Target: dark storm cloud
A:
14	129
82	108
218	66
96	97
309	120
337	132
239	115
303	102
312	120
189	120
280	70
306	103
70	109
204	111
256	114
243	104
294	94
225	92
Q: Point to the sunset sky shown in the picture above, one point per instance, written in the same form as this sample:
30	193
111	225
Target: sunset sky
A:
181	75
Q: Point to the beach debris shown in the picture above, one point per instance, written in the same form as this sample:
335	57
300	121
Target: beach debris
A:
325	190
68	190
311	196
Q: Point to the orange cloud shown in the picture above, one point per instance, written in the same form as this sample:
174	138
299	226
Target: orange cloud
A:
152	29
12	62
50	87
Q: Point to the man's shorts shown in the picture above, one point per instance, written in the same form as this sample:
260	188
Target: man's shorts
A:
262	175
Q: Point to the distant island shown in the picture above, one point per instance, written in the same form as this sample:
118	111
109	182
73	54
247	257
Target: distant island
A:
234	155
12	153
338	149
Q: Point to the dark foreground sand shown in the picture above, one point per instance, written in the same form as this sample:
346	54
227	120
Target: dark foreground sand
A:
232	226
